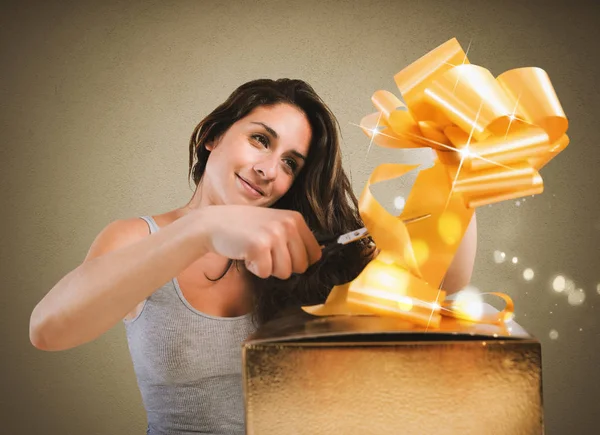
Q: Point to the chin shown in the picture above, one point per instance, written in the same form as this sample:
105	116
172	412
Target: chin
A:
262	203
242	200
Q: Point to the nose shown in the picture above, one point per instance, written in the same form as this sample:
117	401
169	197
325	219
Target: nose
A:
267	169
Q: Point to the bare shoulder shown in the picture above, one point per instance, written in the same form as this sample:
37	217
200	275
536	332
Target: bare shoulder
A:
117	234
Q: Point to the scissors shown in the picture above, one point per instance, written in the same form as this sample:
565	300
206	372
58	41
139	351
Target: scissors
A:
336	243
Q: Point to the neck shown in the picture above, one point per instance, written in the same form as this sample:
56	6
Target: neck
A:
197	201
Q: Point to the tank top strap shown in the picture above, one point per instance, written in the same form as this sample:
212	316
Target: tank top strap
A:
165	296
151	223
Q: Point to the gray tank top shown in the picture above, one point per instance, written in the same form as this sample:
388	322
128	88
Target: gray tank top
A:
188	364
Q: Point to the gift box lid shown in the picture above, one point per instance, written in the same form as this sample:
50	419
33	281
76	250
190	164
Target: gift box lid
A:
301	327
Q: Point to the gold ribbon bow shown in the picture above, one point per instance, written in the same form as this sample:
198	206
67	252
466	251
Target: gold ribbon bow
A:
490	136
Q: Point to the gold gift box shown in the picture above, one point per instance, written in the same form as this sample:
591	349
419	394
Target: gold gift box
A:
380	375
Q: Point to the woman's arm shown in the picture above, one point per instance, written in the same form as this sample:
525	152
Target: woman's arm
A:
126	265
460	270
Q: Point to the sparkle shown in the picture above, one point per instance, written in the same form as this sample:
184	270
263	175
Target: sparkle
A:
433	305
499	257
375	132
581	329
518	203
469	303
598	288
463	62
432	311
515	260
528	274
553	334
464	154
577	297
512	116
559	284
399	202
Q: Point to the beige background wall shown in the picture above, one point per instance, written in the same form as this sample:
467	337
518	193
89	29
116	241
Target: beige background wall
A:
97	103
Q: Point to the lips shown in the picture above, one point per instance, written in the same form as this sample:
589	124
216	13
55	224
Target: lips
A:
251	185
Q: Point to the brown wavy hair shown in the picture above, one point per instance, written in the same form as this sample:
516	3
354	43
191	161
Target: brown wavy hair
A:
321	192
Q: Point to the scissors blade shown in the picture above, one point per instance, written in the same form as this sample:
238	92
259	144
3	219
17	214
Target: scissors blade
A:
355	235
352	236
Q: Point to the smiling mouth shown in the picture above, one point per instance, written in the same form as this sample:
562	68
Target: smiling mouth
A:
255	189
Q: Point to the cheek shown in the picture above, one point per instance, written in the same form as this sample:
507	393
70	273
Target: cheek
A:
232	150
243	153
283	184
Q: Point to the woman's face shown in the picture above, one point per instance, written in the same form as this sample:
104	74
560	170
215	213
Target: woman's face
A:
256	161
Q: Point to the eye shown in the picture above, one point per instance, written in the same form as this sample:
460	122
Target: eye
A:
261	138
292	164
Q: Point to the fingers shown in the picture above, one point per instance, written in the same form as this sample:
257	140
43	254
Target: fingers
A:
287	246
288	251
298	255
282	259
312	247
259	260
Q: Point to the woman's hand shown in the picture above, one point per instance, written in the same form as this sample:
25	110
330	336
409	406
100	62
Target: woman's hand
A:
270	241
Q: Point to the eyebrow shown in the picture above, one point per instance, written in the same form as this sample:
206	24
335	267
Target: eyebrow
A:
297	154
276	136
269	129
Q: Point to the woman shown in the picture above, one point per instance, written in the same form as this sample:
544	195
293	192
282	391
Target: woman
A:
191	284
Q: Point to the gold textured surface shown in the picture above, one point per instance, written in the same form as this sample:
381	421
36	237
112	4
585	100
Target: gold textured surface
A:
393	383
